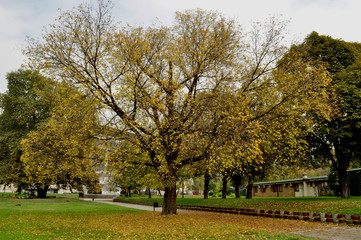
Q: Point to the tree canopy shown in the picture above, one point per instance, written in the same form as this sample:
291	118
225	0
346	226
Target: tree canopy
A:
25	106
338	138
63	151
171	92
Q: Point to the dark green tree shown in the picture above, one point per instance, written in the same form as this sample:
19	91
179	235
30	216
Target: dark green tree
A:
24	107
337	139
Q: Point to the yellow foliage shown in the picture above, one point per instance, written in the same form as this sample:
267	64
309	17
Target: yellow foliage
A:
63	151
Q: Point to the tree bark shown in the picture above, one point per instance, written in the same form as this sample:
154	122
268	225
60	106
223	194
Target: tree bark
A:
343	182
224	187
249	188
170	200
237	183
343	162
207	178
149	194
182	189
42	192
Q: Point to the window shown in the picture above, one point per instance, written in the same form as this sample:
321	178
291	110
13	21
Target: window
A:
297	187
280	188
255	189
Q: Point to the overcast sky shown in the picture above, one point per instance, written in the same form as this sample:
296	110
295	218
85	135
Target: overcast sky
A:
21	18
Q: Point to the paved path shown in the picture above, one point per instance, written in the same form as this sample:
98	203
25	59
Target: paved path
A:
307	229
128	205
331	231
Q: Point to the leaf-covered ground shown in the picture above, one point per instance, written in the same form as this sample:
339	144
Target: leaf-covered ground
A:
73	219
302	204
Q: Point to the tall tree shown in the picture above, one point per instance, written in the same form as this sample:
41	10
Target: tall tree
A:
274	118
337	139
64	151
150	79
159	82
24	107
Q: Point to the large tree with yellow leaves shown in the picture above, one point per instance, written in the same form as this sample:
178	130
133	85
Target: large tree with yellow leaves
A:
159	82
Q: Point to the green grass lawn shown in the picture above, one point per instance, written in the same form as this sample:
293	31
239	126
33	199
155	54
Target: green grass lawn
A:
60	218
302	204
67	217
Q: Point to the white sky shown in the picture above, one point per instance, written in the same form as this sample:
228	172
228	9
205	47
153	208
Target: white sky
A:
21	18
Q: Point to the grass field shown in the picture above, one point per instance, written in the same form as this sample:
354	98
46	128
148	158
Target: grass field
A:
301	204
66	217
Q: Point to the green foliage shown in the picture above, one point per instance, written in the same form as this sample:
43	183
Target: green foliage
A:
25	106
64	150
337	139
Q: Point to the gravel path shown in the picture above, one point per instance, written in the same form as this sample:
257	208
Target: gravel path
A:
308	229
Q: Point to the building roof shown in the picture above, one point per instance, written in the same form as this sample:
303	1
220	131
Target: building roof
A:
309	179
354	170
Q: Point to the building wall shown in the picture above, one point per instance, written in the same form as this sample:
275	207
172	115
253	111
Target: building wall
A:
279	190
287	191
298	189
300	192
312	189
7	189
52	189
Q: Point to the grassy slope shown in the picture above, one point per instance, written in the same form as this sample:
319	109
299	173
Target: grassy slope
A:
311	204
70	218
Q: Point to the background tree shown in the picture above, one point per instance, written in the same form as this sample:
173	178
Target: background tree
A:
337	139
268	116
134	177
62	152
25	106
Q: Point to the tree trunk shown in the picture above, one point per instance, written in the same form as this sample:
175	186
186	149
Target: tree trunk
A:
342	164
224	187
160	193
170	200
249	188
129	193
149	194
207	178
42	192
237	183
183	189
344	185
